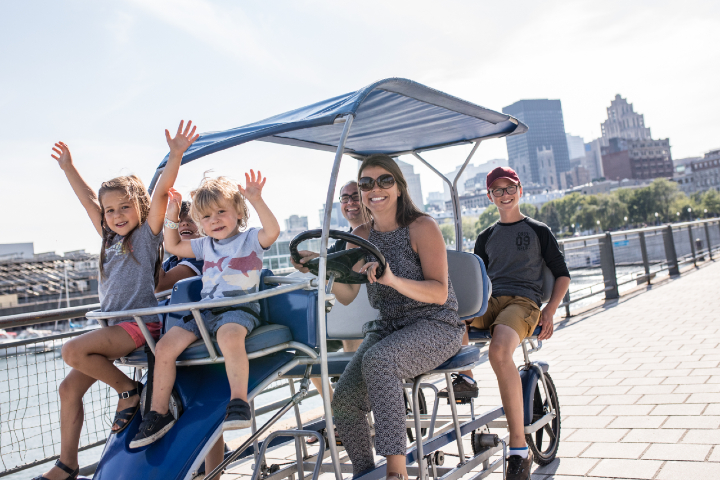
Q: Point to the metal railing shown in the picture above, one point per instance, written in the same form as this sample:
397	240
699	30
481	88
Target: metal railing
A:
602	266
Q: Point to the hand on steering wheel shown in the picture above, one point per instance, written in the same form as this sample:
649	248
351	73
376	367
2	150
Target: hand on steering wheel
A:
370	268
339	263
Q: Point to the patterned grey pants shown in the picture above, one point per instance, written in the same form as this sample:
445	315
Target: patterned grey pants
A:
373	380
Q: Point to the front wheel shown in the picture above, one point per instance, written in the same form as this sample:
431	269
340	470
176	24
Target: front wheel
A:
545	442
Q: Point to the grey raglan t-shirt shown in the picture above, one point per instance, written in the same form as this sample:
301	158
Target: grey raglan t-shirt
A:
514	253
232	265
129	280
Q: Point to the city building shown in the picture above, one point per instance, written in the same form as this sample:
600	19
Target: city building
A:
16	251
435	201
413	182
576	176
593	159
623	122
477	199
473	177
637	159
707	171
296	223
684	164
576	147
337	221
277	257
546	132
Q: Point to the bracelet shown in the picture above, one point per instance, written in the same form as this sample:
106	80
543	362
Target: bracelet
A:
170	224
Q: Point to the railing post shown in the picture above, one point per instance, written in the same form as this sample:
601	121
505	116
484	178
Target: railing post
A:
646	261
692	245
707	239
566	299
670	253
607	263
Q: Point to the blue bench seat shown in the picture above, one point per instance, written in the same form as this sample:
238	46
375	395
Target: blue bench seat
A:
262	337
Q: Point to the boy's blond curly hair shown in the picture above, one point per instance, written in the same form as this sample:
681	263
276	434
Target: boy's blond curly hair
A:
210	193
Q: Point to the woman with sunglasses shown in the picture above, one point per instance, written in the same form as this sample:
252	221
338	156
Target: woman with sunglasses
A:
418	327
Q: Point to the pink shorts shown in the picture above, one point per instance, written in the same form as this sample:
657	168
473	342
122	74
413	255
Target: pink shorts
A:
136	334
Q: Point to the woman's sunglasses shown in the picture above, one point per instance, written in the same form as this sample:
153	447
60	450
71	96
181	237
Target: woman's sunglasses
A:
383	181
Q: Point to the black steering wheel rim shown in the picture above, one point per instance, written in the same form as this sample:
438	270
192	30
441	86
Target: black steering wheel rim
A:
340	263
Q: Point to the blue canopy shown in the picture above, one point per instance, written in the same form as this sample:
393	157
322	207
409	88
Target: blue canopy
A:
393	116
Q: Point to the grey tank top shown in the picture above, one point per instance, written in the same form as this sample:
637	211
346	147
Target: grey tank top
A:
397	310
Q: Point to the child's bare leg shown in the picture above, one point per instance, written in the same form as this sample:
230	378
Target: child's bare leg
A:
167	350
93	353
231	338
504	342
215	455
71	392
351	345
317	381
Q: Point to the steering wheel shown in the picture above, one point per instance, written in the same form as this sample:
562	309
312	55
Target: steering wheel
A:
340	263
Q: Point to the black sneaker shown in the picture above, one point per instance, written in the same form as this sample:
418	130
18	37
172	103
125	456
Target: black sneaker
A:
464	390
518	468
237	415
153	427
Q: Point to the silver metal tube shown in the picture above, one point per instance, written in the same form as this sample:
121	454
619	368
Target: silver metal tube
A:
298	418
321	327
418	427
207	339
456	200
221	302
456	422
146	333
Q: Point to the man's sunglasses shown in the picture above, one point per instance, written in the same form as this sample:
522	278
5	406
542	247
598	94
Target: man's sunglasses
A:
383	181
499	192
355	197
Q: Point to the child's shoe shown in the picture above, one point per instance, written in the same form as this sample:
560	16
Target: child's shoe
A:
153	427
237	415
464	389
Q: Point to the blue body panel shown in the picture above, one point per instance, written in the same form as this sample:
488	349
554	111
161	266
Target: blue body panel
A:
204	392
530	379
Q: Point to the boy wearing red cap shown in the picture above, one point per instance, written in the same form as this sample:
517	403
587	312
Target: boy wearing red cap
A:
513	250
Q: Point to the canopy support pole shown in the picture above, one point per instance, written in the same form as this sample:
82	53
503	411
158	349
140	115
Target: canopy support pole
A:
457	212
321	326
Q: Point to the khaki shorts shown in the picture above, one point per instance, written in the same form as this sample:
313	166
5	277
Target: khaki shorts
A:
519	313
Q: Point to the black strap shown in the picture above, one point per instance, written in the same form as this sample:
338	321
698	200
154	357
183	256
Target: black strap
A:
73	473
128	394
150	377
220	310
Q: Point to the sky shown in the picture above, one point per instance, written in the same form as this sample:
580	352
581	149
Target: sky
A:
108	77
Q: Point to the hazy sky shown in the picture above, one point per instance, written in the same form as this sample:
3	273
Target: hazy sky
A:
108	77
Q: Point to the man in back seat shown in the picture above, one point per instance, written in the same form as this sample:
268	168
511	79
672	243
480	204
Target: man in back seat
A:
513	250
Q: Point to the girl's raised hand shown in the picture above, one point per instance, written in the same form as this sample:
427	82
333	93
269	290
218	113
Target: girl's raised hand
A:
174	203
62	155
183	138
253	186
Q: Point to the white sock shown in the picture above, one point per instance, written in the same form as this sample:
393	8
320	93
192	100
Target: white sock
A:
470	380
522	452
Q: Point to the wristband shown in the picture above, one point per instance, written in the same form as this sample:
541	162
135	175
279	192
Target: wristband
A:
170	224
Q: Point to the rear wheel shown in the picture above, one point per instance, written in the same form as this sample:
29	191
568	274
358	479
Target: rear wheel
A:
545	442
423	410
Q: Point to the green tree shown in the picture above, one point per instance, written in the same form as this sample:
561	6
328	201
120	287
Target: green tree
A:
664	193
711	201
641	206
528	209
468	228
568	206
487	218
448	233
550	216
611	212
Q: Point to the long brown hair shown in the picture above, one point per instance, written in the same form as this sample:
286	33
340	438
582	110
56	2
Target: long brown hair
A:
407	212
132	187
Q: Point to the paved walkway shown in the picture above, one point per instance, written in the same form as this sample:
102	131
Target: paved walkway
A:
638	383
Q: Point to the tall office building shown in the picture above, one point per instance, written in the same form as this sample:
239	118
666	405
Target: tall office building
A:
576	147
623	122
541	155
413	181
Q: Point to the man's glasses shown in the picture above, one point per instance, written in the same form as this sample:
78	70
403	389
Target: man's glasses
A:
355	197
383	181
499	192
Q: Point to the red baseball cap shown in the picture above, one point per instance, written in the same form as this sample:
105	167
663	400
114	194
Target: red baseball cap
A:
502	172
